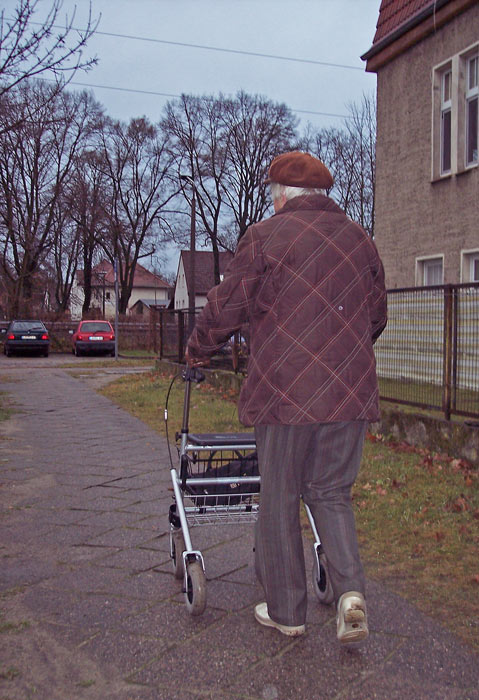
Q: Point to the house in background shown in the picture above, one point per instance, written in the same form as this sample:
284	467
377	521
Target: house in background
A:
204	276
148	288
142	307
426	56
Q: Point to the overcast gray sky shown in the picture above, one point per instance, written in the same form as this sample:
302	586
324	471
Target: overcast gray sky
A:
334	32
326	37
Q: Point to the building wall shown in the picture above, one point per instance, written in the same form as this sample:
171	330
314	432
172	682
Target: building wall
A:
77	297
417	215
181	291
158	293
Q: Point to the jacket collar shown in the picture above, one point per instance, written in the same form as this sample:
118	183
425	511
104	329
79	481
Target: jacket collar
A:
309	201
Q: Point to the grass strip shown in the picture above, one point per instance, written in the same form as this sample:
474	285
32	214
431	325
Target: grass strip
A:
417	512
5	409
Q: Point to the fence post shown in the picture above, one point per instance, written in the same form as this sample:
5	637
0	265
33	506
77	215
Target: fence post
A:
161	335
181	336
455	324
447	357
235	352
153	322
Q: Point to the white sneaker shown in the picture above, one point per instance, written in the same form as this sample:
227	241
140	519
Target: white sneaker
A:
351	618
261	616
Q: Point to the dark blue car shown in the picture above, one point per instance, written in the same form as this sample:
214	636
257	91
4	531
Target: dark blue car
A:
26	336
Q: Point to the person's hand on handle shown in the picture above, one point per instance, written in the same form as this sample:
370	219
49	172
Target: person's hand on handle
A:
194	361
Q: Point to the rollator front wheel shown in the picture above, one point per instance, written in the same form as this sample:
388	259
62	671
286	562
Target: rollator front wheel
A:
195	594
321	581
177	549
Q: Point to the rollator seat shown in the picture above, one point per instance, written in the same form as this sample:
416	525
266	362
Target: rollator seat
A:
216	439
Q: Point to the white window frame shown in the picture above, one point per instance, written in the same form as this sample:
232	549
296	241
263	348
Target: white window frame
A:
446	114
471	97
454	106
422	264
469	258
440	107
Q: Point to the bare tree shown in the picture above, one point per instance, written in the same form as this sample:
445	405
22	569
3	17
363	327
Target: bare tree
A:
62	262
29	49
226	145
196	127
36	159
257	130
350	154
86	203
138	171
362	130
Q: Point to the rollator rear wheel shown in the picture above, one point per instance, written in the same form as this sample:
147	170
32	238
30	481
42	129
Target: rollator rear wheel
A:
177	549
321	581
195	594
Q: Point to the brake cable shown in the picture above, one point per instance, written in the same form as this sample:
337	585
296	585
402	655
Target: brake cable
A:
166	417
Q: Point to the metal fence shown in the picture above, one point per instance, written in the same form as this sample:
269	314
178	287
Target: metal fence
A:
173	330
428	356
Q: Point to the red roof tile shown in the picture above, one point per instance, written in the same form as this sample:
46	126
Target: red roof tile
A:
394	13
142	278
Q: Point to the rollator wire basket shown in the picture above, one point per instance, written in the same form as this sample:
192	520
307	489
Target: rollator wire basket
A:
220	484
217	481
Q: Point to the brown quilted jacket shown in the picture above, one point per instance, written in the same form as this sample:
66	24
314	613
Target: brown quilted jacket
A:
310	284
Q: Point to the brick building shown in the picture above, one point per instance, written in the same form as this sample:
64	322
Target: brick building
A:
426	56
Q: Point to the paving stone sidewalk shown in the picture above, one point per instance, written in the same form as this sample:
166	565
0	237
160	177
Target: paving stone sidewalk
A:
90	608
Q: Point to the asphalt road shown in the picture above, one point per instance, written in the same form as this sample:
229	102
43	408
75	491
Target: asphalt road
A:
89	604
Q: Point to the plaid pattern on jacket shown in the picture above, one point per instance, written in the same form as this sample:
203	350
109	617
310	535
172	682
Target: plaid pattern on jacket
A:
310	283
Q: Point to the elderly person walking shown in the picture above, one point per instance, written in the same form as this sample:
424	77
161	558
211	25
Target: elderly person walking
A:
310	284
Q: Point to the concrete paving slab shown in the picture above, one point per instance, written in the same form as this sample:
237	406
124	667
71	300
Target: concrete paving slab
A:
89	605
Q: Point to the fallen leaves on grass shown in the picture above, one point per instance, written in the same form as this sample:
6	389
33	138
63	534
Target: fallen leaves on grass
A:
459	505
395	484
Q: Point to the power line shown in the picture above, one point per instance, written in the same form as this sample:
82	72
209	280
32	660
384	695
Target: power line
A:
167	94
217	48
207	48
122	89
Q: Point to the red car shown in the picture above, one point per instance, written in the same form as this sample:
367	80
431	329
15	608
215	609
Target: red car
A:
93	337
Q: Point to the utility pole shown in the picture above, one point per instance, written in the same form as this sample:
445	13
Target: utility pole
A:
192	270
116	307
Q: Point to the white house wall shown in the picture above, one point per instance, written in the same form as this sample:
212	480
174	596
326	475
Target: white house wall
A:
181	291
77	297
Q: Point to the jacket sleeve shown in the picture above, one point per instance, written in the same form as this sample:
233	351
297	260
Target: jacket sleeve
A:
229	304
378	301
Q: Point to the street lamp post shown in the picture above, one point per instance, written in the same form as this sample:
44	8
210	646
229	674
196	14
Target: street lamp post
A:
102	275
192	271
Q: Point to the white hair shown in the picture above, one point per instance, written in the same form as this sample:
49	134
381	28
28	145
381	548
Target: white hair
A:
277	191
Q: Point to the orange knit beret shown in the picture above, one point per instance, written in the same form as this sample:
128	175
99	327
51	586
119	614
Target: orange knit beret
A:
298	169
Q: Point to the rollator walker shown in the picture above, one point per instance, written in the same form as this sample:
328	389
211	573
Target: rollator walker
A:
217	481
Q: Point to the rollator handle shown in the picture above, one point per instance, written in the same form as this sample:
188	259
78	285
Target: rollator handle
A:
193	374
189	374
